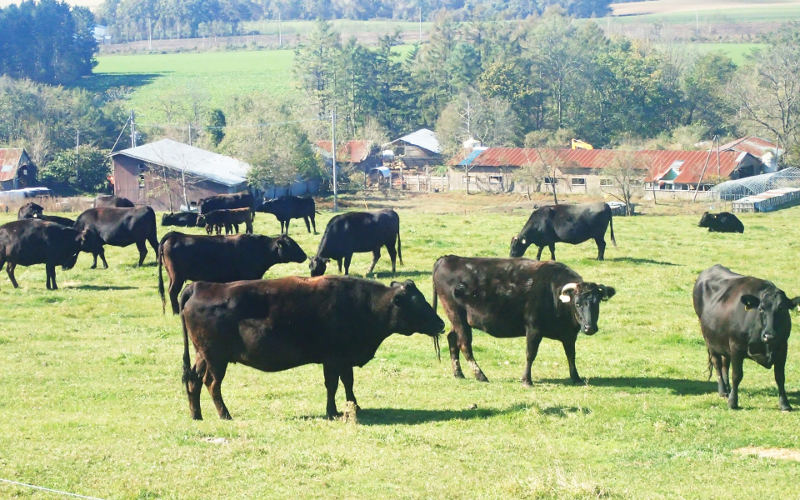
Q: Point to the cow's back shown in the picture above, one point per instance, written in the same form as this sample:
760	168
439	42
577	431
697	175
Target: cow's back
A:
33	241
358	232
216	258
577	223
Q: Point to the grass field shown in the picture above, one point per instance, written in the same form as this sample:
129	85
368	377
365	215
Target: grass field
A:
92	400
738	52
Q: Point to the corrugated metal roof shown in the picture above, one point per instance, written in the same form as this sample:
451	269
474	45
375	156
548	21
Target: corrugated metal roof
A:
206	164
686	165
9	162
424	138
354	151
756	146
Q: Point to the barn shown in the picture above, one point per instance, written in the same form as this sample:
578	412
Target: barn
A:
168	175
17	171
418	149
356	154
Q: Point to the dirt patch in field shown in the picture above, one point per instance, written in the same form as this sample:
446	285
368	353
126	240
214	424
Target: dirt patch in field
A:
777	453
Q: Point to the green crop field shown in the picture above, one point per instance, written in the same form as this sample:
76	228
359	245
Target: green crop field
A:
92	401
708	13
738	52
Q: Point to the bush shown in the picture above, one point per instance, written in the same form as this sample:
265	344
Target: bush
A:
85	169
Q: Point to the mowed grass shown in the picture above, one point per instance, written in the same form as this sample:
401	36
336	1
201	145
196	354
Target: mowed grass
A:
92	401
738	52
708	13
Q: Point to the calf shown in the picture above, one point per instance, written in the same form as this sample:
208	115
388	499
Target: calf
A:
286	208
220	259
31	241
515	298
29	211
742	317
723	222
568	223
279	324
181	219
121	227
227	218
358	232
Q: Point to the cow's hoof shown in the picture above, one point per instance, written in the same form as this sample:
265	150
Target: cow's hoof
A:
458	374
334	416
785	407
93	267
578	381
481	377
723	395
526	382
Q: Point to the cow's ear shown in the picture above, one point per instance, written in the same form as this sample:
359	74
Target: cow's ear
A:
394	284
397	299
608	292
750	301
793	303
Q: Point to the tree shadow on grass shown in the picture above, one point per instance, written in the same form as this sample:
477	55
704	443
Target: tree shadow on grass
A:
403	416
681	387
100	82
637	260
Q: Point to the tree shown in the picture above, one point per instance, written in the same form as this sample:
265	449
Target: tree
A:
216	126
85	170
627	175
315	66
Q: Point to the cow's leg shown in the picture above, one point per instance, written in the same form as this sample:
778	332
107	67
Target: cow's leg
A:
552	247
339	263
140	245
347	260
193	386
736	377
465	343
215	372
10	270
102	257
716	361
392	255
346	374
248	227
601	247
569	350
452	341
308	226
533	339
331	384
236	227
780	377
313	224
282	231
376	254
50	270
287	225
726	365
539	253
175	290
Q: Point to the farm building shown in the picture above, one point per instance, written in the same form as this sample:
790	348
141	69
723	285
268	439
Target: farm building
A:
418	149
167	174
357	154
17	171
766	151
586	171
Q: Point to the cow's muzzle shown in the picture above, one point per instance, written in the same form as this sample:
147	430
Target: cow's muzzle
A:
589	329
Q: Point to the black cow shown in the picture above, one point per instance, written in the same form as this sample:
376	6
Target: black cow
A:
274	325
286	208
568	223
220	259
225	202
723	222
109	200
181	219
31	241
227	218
354	232
515	298
121	227
29	211
742	317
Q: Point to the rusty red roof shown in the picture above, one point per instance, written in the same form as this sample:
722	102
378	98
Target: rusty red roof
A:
756	146
10	162
354	151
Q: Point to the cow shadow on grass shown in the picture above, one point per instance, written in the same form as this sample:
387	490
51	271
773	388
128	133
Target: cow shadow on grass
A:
637	260
401	274
404	416
103	287
678	386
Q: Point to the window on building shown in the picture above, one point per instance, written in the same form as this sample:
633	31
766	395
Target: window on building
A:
550	180
496	179
578	181
141	181
606	182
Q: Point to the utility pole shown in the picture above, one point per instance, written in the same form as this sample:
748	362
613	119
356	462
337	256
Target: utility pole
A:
149	34
190	134
420	24
77	139
280	31
133	129
333	158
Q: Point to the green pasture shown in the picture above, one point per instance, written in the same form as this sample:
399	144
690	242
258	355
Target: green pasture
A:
347	27
706	15
92	401
738	52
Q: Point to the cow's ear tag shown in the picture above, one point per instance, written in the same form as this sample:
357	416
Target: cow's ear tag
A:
747	308
564	298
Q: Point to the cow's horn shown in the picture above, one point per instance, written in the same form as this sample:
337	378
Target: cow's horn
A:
565	297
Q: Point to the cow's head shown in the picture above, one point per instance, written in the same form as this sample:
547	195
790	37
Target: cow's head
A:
410	311
201	220
317	265
267	206
768	321
289	250
707	219
583	300
518	246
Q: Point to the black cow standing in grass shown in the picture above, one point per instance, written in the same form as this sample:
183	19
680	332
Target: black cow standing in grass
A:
32	241
274	325
225	202
227	218
180	219
121	227
515	298
286	208
568	223
743	317
109	200
723	222
220	259
354	232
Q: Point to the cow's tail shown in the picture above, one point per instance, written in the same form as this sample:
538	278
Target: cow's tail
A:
399	248
160	258
189	375
611	223
710	365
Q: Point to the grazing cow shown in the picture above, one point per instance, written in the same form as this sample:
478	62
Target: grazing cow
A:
286	208
181	219
64	221
723	222
31	241
29	211
225	202
742	317
220	259
121	227
274	325
568	223
109	200
227	218
357	232
515	298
